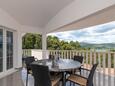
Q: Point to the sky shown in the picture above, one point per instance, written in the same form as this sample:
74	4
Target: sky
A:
104	33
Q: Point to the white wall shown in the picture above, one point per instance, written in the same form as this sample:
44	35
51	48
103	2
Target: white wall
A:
29	29
7	21
39	54
77	10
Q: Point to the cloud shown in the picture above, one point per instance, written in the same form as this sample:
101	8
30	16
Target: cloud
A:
105	27
80	33
98	34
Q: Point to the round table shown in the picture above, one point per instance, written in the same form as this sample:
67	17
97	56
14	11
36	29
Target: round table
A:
62	65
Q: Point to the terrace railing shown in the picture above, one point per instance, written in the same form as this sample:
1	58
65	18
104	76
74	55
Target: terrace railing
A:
26	52
105	73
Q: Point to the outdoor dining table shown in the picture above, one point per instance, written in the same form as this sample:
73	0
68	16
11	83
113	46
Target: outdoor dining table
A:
62	65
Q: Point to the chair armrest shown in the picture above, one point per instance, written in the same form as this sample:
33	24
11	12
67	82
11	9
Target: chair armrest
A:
85	69
80	76
81	65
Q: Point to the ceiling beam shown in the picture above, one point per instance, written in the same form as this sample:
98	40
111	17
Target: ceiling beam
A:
77	11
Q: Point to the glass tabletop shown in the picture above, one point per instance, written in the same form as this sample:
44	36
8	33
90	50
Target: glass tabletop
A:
61	64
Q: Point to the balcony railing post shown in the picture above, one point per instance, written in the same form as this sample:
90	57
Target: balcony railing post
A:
104	57
99	69
109	70
90	58
114	69
87	66
95	81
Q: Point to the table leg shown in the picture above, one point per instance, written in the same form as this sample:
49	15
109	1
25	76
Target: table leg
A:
63	79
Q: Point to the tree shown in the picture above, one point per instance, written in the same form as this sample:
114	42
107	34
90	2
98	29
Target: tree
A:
66	46
75	45
52	42
38	41
31	41
34	41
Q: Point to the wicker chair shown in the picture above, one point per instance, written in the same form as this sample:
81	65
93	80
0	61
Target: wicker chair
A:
51	57
28	60
83	81
79	59
42	76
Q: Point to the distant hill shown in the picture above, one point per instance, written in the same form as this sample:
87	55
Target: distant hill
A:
98	46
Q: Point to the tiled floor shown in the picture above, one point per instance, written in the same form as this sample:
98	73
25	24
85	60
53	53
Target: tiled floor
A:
30	78
14	79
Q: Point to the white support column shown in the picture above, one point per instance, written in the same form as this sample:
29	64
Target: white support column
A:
4	50
18	50
44	45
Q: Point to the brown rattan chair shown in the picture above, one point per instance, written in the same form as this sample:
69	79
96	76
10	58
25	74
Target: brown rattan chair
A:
83	81
42	76
51	57
79	59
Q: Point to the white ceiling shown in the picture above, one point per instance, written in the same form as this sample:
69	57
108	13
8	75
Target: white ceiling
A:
35	13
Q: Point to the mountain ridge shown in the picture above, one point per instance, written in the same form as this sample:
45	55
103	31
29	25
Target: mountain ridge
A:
94	45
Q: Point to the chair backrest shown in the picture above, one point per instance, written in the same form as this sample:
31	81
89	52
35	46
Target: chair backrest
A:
90	77
78	58
28	61
41	75
51	57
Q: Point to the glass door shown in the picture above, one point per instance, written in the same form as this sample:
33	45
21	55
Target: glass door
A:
6	49
9	49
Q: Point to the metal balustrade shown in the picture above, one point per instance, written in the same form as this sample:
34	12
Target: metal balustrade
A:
105	73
